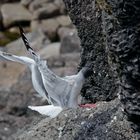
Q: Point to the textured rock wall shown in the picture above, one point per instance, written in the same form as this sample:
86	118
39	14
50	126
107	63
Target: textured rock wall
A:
106	122
88	20
123	43
109	32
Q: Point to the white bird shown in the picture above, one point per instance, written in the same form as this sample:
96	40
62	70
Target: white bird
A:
60	92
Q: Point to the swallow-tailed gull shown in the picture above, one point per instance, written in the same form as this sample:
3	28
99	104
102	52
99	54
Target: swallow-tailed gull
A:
60	92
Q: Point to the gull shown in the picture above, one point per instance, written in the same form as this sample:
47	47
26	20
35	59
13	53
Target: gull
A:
60	92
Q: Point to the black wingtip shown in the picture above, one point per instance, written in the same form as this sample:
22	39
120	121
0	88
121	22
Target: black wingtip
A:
20	29
25	40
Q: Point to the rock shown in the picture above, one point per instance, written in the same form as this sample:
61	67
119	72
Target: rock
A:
47	11
15	115
65	64
14	15
34	6
37	4
51	50
60	4
35	25
37	40
122	43
64	60
70	41
9	74
104	121
14	30
64	20
1	22
50	27
25	3
3	98
9	36
9	1
101	85
110	44
63	71
65	31
2	36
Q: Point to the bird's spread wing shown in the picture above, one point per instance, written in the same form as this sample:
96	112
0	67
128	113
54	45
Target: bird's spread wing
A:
36	75
48	110
38	83
54	85
20	59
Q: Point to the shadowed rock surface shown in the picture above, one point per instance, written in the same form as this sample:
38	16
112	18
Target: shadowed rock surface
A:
109	33
88	21
105	122
123	44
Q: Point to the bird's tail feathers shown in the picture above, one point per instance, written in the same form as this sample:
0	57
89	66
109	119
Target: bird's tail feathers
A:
48	110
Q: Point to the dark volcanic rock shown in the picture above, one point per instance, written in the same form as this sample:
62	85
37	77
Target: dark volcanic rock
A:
123	43
87	18
105	122
109	32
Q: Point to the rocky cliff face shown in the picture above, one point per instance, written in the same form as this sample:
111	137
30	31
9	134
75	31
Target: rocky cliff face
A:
109	31
123	43
88	19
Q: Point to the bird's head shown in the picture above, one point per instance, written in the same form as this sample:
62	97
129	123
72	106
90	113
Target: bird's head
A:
87	71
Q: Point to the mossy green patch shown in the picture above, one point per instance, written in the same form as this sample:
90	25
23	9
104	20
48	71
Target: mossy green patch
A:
9	36
5	41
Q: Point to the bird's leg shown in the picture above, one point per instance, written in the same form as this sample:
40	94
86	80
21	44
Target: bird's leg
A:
87	71
88	105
